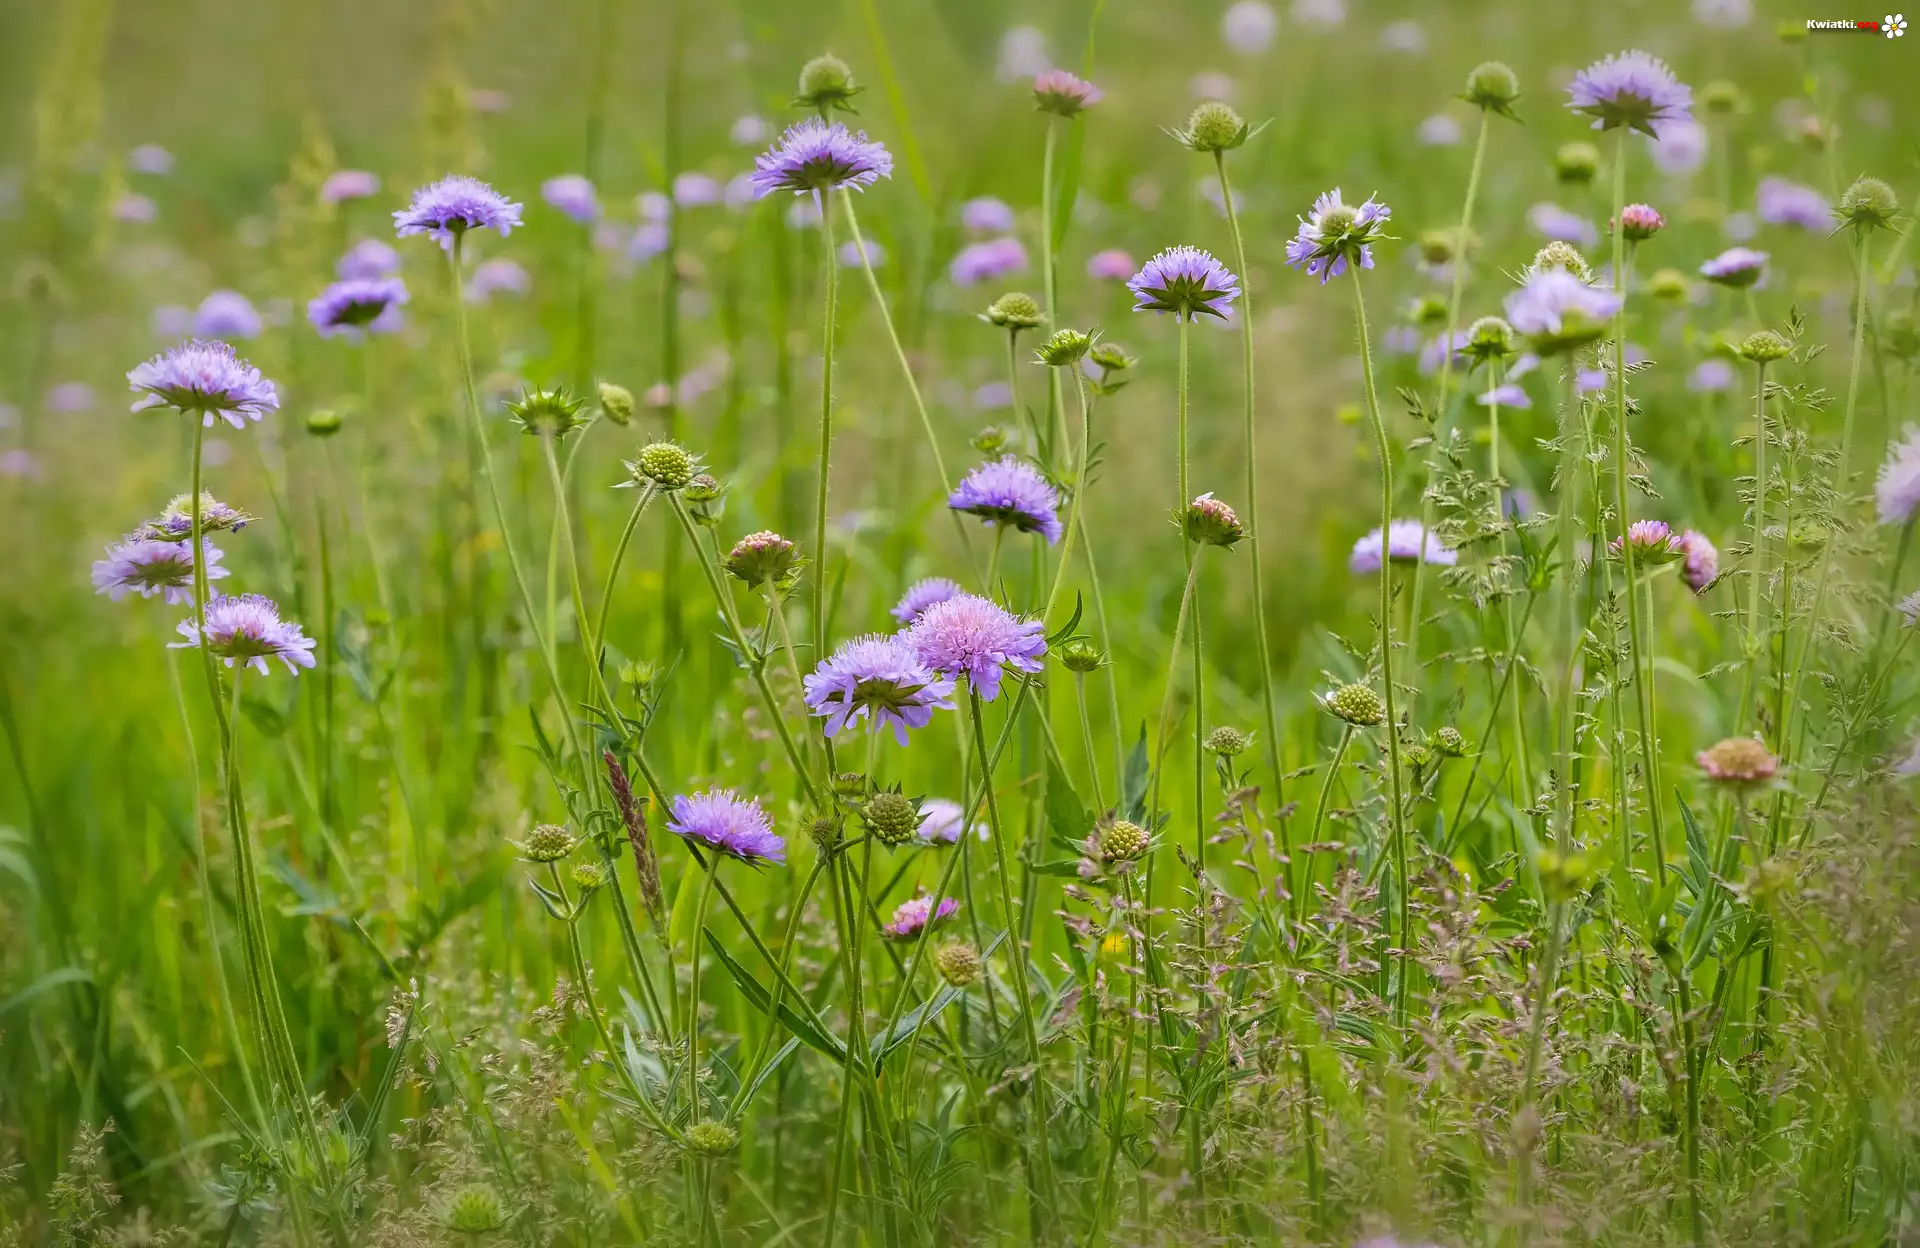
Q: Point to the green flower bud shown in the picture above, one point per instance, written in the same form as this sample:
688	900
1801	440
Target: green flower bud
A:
1764	347
1450	742
711	1139
1121	840
1081	655
761	557
990	441
704	488
1211	522
850	784
1492	86
666	464
1064	349
589	874
825	833
1563	256
1869	204
1214	127
1226	742
1111	357
1722	98
473	1210
323	422
1669	284
548	413
1576	163
1429	310
547	842
958	964
616	403
892	817
1489	340
1015	310
1357	704
826	83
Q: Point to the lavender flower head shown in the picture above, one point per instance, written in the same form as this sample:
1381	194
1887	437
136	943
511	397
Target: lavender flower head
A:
1651	541
248	630
1780	202
1558	312
226	314
1710	376
1552	221
1631	89
346	184
940	822
923	594
574	196
987	214
205	378
1702	565
1897	488
1249	26
721	820
696	190
1185	281
879	679
175	524
498	276
1736	267
815	156
1010	491
1111	265
368	258
1403	545
446	209
150	158
146	567
972	637
358	305
135	208
912	916
1508	394
1063	93
1336	234
984	261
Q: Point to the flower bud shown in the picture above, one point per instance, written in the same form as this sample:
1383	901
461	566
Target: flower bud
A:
850	784
666	464
1064	349
1226	742
1081	655
547	413
616	403
826	83
825	833
1357	704
1738	762
323	422
1722	98
892	817
704	488
990	441
1576	163
589	874
1211	522
547	842
958	964
1111	357
1668	284
1015	310
1563	256
1429	310
1450	742
1869	204
1489	340
1121	840
474	1210
1493	86
1763	347
1214	127
1639	222
761	557
1562	876
711	1139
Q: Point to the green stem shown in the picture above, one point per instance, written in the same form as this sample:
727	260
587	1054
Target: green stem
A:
1079	496
825	203
694	961
1320	817
1756	574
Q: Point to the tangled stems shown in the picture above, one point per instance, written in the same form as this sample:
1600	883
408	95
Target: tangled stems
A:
1752	642
1079	494
1536	1037
1320	815
825	204
1524	773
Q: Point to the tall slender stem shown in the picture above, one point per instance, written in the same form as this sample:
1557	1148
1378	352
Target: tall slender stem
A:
825	203
1757	555
1320	816
693	989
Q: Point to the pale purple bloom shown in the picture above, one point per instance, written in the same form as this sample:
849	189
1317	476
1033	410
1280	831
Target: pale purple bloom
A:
1400	340
940	822
1780	202
851	258
973	637
18	463
1736	266
722	820
1590	381
802	214
1652	541
1111	265
1211	85
1009	490
171	320
248	630
134	208
206	378
738	192
1335	234
69	397
574	196
987	260
923	594
651	239
1723	14
1910	765
1328	13
1064	92
1440	130
1909	608
654	205
1403	545
1185	281
346	184
1506	395
175	524
1544	307
1552	221
878	679
1249	26
817	156
368	258
749	131
1631	89
491	277
455	204
987	214
695	190
912	916
1680	149
1710	376
150	158
226	314
1435	352
488	100
147	567
1897	489
1702	564
1023	53
358	305
993	396
1739	227
1405	37
1525	363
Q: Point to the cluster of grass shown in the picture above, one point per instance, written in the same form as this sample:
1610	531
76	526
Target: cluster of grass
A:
1532	894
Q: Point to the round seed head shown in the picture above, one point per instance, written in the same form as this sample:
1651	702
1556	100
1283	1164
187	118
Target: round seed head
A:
549	413
666	464
1489	339
1869	204
1081	655
826	83
323	422
474	1210
892	817
1738	762
1576	163
1214	127
589	874
1015	310
616	403
547	842
1764	347
1122	840
1563	256
1357	704
958	964
1450	742
711	1139
1227	742
1493	86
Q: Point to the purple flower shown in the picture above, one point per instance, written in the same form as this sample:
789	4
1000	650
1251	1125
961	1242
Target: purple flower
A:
749	131
1435	352
695	190
455	204
653	206
1558	311
1249	26
648	241
852	257
1337	234
1631	89
912	916
134	208
923	594
1557	223
1061	92
368	258
1590	381
1440	130
70	396
1711	376
346	184
1702	564
1111	265
1507	395
877	678
248	630
18	463
1400	340
207	378
574	196
940	822
492	277
1023	53
722	820
1680	149
987	214
1185	281
150	158
146	567
1897	488
1651	541
1403	546
993	396
738	192
972	637
226	314
985	261
358	305
1736	267
1009	490
815	156
1780	202
175	524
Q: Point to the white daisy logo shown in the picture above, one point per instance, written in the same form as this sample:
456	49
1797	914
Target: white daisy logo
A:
1894	24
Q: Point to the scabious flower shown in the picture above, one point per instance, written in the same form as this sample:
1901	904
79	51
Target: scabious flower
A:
1651	541
574	196
446	209
1641	222
358	305
248	630
1111	265
1710	376
987	260
1680	149
940	822
345	184
722	820
1736	267
150	158
226	314
987	214
853	255
1781	202
493	277
368	258
970	636
1558	312
134	208
912	916
70	396
1702	560
1063	93
1897	489
1631	89
1439	130
1739	762
1010	491
696	190
878	679
1185	281
750	130
147	567
923	594
1248	26
1508	395
1554	222
1403	545
817	156
175	524
1210	522
1337	234
205	378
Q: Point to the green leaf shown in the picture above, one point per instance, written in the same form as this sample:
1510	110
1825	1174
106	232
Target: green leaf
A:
910	1023
1133	781
762	1000
45	984
1067	816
